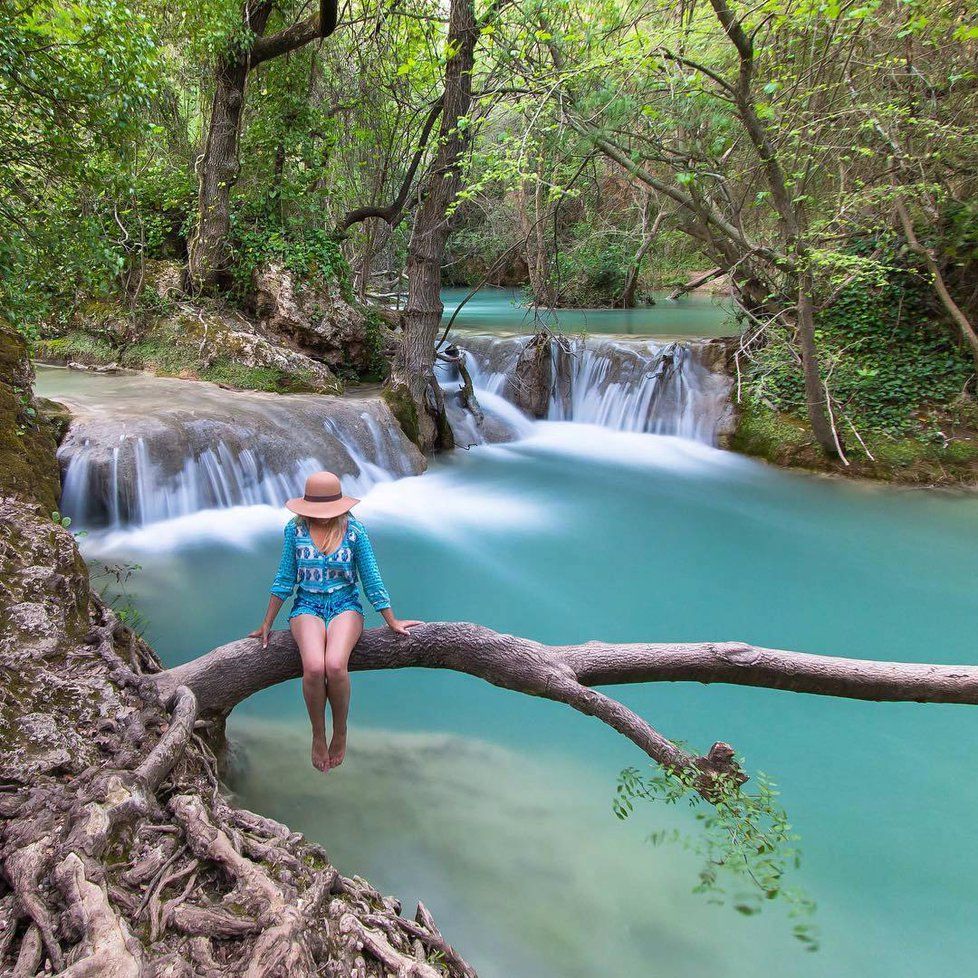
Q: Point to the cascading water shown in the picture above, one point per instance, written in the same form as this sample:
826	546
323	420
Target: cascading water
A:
630	385
143	449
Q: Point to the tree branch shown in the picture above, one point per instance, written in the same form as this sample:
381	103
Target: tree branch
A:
227	675
320	24
392	212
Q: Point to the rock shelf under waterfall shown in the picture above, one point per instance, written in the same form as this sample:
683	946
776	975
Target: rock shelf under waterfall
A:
630	385
141	448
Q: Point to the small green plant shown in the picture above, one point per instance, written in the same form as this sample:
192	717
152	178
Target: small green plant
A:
114	590
745	840
61	519
27	414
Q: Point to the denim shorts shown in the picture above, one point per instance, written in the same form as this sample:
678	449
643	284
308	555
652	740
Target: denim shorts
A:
326	606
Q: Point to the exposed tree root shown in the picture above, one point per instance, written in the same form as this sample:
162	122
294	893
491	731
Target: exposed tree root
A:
119	853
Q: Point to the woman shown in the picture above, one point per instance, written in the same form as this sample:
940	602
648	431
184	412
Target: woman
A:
325	551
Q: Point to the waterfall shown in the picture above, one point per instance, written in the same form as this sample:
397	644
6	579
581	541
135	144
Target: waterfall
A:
178	448
630	385
143	449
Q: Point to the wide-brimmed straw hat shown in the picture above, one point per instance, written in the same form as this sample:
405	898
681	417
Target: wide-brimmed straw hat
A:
323	498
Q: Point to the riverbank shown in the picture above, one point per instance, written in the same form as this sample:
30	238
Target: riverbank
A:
285	335
120	853
293	338
925	460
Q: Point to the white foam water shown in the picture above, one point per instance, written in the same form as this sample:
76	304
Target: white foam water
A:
628	385
144	450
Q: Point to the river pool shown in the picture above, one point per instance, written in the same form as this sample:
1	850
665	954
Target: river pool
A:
505	309
495	808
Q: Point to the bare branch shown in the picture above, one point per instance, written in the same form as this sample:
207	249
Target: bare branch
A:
227	675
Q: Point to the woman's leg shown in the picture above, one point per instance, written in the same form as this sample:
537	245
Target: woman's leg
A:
341	635
309	632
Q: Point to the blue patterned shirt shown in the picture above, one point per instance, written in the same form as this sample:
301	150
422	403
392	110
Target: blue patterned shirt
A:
303	564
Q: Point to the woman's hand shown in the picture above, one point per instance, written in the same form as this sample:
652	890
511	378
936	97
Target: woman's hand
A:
262	633
274	606
401	627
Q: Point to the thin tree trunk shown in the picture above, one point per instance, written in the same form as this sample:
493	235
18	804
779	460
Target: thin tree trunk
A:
816	401
937	279
627	298
413	391
209	261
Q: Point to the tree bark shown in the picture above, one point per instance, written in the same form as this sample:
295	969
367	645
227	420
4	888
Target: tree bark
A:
227	675
209	264
413	390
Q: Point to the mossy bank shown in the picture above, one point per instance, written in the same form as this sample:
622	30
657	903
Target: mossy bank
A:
916	459
288	337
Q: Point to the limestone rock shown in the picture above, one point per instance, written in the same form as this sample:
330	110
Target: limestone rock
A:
317	319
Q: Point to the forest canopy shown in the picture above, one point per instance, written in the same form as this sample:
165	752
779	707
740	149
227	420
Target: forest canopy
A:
819	155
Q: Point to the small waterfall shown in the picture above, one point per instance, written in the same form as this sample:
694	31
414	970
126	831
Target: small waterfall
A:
180	448
502	421
630	385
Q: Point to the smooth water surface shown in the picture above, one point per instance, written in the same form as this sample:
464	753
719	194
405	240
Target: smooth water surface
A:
505	310
495	808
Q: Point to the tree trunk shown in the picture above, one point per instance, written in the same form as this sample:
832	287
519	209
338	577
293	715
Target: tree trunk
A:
412	391
816	398
627	298
209	264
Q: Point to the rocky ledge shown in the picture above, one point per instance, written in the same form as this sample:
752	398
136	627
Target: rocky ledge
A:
120	854
287	335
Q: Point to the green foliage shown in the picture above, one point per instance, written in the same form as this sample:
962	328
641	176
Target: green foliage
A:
593	275
311	253
113	581
743	837
76	85
887	356
376	338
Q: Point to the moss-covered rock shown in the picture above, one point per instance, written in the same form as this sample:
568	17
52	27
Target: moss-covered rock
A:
786	440
398	399
290	336
28	468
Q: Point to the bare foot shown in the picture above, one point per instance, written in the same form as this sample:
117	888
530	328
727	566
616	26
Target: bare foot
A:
337	748
320	754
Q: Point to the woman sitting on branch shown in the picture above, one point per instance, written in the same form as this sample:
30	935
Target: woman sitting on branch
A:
325	551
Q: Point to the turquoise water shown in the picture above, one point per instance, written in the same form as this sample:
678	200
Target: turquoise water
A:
496	808
503	309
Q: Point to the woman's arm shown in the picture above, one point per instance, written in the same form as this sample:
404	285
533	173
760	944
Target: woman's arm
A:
274	604
282	586
373	585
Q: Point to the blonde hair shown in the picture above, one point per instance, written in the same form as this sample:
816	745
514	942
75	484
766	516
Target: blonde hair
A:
335	528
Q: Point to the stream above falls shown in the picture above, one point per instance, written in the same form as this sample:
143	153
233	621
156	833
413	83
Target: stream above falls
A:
696	316
495	808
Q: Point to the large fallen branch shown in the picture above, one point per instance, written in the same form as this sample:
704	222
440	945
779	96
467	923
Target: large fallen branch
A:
227	675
